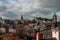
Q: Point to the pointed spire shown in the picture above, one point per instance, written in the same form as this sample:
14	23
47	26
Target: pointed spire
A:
54	15
21	16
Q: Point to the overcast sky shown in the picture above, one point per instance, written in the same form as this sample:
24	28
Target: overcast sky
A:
13	9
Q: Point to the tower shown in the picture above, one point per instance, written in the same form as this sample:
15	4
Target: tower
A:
21	16
54	20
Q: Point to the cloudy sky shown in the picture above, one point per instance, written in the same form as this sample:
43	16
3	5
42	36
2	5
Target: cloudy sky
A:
13	9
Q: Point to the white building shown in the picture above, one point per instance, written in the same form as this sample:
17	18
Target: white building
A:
55	33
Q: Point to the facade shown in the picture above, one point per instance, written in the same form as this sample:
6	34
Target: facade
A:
56	33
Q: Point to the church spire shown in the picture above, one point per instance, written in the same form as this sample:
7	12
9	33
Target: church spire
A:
54	13
54	16
21	16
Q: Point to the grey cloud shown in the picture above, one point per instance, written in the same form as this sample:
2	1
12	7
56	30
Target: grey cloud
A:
41	13
3	8
52	4
45	10
5	1
10	15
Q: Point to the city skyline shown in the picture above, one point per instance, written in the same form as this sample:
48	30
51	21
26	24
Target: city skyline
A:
13	9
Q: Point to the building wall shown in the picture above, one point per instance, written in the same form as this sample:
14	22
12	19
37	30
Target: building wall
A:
46	34
55	34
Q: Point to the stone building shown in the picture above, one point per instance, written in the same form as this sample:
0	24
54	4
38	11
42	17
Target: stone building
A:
46	26
43	25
